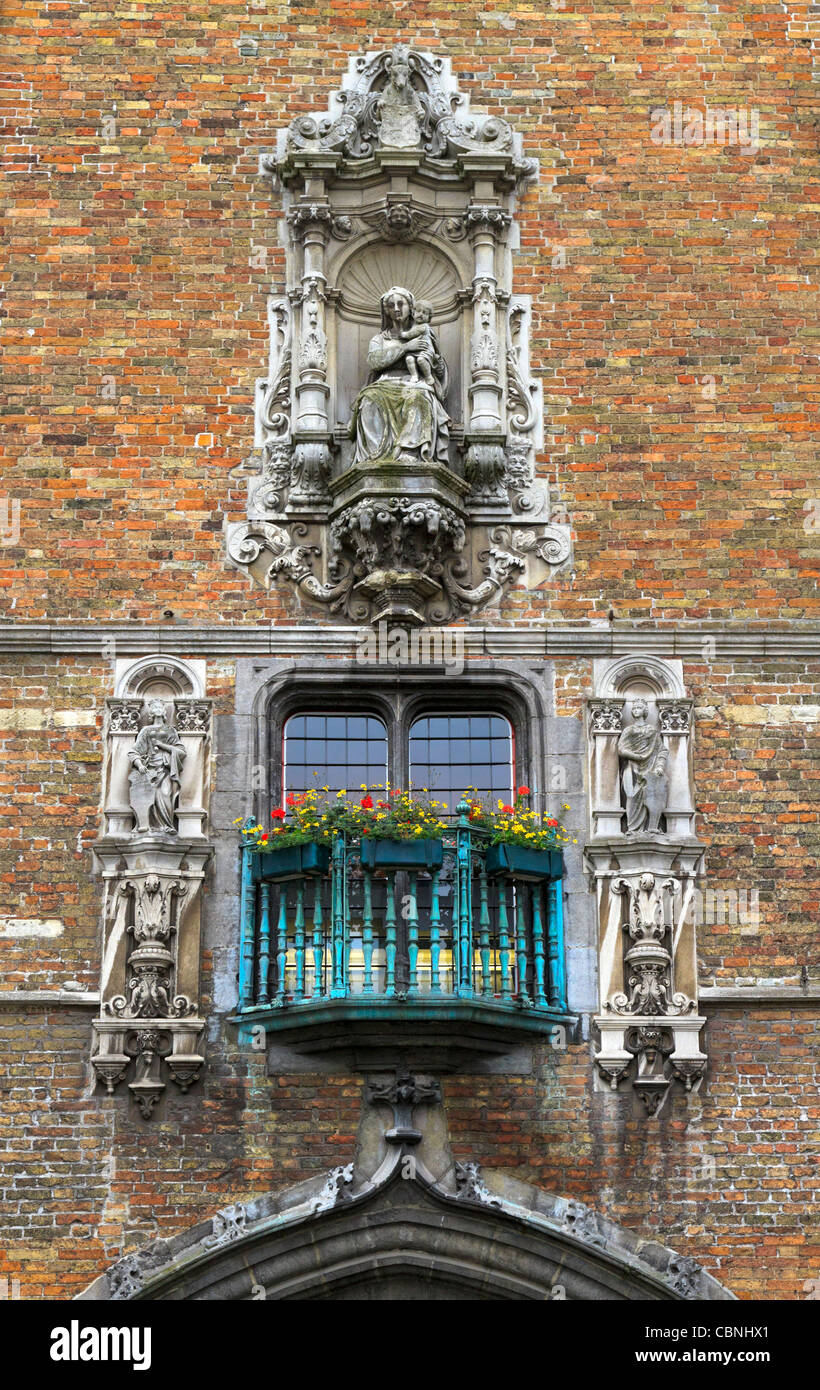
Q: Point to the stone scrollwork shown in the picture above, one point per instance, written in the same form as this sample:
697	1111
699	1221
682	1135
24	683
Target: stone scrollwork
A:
404	99
675	716
605	716
124	716
276	401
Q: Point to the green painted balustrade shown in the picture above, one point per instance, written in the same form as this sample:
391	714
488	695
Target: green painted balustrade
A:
469	929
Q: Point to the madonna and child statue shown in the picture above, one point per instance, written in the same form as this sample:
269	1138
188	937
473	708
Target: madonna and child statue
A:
399	415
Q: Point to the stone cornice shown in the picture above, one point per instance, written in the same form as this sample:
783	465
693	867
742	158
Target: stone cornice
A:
703	643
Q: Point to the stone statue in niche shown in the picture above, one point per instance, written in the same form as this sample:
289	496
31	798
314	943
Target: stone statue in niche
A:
156	764
400	111
644	777
399	416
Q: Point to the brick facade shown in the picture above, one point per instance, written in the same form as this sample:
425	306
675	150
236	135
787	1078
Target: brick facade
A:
674	325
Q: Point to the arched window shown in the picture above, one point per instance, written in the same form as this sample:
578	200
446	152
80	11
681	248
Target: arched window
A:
445	752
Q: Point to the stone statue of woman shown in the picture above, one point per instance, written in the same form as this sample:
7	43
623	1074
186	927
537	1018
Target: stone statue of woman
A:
156	764
399	416
644	777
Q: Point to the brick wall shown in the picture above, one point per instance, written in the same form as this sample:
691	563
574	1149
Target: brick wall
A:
674	287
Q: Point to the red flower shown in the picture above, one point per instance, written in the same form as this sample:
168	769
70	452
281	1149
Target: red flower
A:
278	814
381	804
264	839
550	821
508	810
367	803
523	791
290	799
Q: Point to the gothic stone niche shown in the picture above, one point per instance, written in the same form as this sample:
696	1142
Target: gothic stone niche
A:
397	428
152	856
645	863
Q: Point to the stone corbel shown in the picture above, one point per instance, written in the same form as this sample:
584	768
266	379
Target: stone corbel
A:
647	962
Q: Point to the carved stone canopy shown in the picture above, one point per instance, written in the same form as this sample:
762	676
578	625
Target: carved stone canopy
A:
401	100
399	486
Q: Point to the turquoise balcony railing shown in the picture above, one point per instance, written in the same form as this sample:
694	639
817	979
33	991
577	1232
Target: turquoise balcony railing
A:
462	952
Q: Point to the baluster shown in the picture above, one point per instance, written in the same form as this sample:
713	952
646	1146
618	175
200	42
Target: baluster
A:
337	988
248	920
318	940
367	934
282	944
263	963
504	941
390	934
435	936
463	906
521	944
538	946
413	936
299	943
484	934
555	944
455	941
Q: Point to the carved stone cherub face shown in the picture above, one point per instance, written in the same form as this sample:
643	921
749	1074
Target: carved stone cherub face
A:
424	311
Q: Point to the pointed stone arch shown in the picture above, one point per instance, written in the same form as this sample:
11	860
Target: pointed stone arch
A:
404	1235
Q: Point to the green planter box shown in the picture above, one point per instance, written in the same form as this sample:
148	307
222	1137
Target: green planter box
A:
402	854
515	861
293	861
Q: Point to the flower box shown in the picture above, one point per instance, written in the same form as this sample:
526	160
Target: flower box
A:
516	861
291	861
402	854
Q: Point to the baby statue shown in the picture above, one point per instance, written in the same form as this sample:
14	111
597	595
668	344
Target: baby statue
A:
420	362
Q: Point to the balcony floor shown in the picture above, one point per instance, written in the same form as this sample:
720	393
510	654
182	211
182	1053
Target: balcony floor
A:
437	1033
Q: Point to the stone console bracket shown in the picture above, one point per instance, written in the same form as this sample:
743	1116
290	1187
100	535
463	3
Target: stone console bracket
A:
152	857
399	184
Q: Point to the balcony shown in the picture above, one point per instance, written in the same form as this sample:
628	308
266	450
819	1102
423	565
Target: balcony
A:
458	958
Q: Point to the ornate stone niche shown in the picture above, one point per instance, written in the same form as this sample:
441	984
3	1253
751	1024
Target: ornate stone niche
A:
152	856
645	863
398	425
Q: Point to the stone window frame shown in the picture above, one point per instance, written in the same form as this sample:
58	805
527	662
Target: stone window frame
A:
368	694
